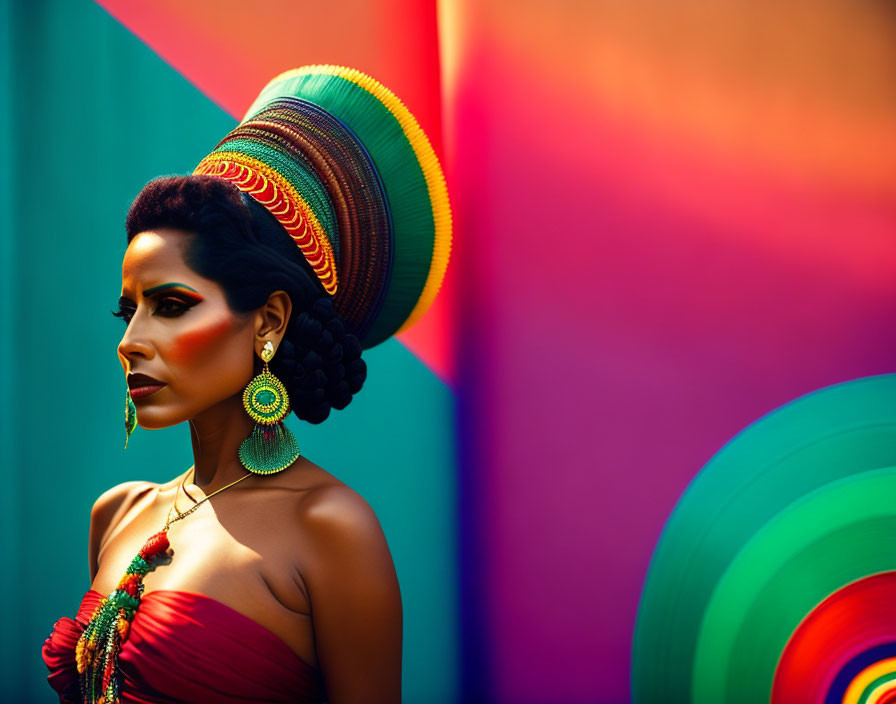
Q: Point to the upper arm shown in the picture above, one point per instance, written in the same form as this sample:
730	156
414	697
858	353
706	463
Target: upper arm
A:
107	510
355	599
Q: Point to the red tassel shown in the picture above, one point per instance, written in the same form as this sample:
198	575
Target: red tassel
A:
154	546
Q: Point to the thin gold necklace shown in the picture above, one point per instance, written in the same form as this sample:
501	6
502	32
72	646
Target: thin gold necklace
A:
190	510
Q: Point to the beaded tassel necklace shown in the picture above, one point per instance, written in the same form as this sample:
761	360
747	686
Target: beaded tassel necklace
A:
98	648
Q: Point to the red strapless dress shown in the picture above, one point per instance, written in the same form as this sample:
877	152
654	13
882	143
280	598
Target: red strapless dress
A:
187	647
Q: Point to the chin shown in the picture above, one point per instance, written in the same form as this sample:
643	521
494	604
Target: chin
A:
157	421
155	415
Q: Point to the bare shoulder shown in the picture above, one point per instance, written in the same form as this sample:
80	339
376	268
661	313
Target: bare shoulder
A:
354	595
334	519
107	511
112	501
333	509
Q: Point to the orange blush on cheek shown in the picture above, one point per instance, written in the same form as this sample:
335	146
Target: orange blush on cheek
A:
198	344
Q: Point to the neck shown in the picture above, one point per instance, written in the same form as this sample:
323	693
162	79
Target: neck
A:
216	434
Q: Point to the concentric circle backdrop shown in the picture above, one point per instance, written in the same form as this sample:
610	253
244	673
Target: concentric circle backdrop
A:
774	579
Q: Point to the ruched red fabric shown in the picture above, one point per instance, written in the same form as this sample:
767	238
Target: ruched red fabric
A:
187	647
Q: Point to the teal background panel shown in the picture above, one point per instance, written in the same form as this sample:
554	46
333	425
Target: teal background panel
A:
10	496
91	114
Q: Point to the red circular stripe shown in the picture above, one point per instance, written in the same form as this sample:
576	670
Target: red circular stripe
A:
859	616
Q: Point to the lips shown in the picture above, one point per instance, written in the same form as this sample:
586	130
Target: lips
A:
141	385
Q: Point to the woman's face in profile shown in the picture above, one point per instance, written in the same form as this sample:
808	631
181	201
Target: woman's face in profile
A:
180	331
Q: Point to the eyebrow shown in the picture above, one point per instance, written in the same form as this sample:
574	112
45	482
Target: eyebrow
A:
173	284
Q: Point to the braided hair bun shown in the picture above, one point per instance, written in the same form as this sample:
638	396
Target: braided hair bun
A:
319	362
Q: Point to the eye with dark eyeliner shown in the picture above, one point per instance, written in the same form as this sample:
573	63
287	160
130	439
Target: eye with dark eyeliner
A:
126	310
168	307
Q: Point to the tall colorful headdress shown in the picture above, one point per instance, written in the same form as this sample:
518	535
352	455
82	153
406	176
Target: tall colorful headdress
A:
344	167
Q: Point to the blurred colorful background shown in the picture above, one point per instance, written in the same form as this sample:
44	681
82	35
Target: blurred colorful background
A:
640	449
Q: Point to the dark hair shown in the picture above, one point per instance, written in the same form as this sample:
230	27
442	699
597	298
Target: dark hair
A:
241	246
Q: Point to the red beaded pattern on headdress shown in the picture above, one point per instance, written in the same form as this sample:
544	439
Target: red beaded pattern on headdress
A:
284	202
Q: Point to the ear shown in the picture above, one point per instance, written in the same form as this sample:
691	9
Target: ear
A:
271	320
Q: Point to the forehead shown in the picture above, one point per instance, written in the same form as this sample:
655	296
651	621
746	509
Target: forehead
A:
154	254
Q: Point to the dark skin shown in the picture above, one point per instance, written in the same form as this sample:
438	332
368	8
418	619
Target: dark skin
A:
299	551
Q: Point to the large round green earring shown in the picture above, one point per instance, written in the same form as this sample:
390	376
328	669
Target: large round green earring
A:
271	447
130	416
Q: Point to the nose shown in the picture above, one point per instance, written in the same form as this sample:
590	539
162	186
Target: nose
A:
133	346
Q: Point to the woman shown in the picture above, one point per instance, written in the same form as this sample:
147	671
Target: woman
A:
317	228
